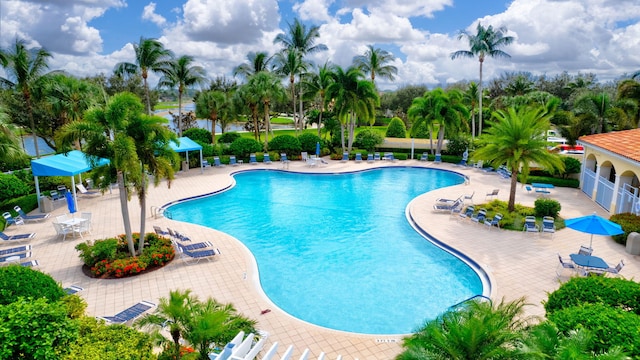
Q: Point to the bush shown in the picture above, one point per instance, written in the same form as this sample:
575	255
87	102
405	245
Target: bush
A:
19	281
285	143
242	147
12	187
547	207
421	132
396	128
228	137
207	150
629	222
198	135
570	183
613	292
99	250
571	166
75	305
610	326
457	145
368	139
308	142
109	342
35	330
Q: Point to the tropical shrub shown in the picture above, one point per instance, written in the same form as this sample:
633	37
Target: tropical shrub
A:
629	222
19	281
308	142
457	145
109	342
611	326
396	128
421	132
76	305
285	143
35	329
12	187
557	182
614	292
110	257
21	162
243	147
228	137
547	207
571	166
198	135
368	139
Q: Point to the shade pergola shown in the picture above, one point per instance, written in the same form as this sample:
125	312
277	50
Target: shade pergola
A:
69	164
185	145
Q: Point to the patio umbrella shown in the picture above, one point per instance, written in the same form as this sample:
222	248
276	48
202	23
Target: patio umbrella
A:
71	205
594	224
317	148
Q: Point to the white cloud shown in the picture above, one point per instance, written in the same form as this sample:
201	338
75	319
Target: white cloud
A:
405	8
149	13
313	10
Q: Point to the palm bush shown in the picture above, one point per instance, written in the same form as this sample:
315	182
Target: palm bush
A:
396	128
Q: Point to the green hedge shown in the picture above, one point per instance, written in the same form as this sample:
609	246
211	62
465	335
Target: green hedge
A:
570	183
18	281
629	222
613	292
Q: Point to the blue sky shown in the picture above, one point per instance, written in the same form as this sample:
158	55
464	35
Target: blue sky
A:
90	36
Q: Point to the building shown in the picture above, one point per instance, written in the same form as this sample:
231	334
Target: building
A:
610	170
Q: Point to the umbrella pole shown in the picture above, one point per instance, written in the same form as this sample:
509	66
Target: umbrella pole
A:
591	242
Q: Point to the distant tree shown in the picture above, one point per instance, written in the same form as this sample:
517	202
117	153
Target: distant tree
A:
266	88
181	74
289	62
315	85
630	90
150	55
485	42
374	62
9	145
256	62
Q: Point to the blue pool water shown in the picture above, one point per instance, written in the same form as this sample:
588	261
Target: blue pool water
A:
337	250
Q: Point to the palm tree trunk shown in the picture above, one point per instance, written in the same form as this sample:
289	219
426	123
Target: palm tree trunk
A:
342	135
143	209
146	93
480	99
440	139
124	206
473	123
214	118
266	124
293	97
431	139
301	117
180	111
512	191
27	98
352	122
319	122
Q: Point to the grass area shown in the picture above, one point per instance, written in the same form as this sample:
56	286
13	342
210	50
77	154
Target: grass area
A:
514	220
166	106
282	121
380	129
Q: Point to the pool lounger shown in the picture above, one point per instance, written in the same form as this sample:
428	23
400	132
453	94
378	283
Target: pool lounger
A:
130	313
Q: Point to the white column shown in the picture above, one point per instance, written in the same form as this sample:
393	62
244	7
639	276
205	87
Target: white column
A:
614	200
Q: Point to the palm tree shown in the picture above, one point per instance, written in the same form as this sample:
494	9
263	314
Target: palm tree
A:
9	146
480	331
471	98
68	98
174	312
256	62
596	105
630	90
518	138
420	113
209	105
485	42
266	87
25	68
289	62
374	62
353	97
181	74
316	85
303	40
150	56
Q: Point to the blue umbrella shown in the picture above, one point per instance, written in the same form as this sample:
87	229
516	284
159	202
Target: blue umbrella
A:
70	203
594	224
318	148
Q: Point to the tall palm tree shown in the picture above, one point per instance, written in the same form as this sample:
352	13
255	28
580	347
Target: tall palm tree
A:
289	62
25	67
630	90
245	99
597	105
353	97
480	330
256	62
420	113
180	74
471	98
267	88
68	97
209	105
302	39
150	56
518	138
152	138
485	42
375	62
9	145
316	85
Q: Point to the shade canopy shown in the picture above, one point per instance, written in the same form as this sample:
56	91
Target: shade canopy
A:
69	164
185	144
594	225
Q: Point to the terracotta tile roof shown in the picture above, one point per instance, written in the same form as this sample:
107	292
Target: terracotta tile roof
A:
624	143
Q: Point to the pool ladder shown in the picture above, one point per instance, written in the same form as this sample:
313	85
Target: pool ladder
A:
474	297
158	211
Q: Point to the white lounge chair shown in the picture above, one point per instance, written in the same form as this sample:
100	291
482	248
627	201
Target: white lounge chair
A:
495	221
548	225
530	224
27	217
86	192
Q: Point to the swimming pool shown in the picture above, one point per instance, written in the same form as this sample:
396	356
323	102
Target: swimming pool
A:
336	250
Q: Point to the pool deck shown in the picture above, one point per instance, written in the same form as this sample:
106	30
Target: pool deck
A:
518	264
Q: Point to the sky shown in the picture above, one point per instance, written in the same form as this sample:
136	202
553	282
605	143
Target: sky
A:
88	37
